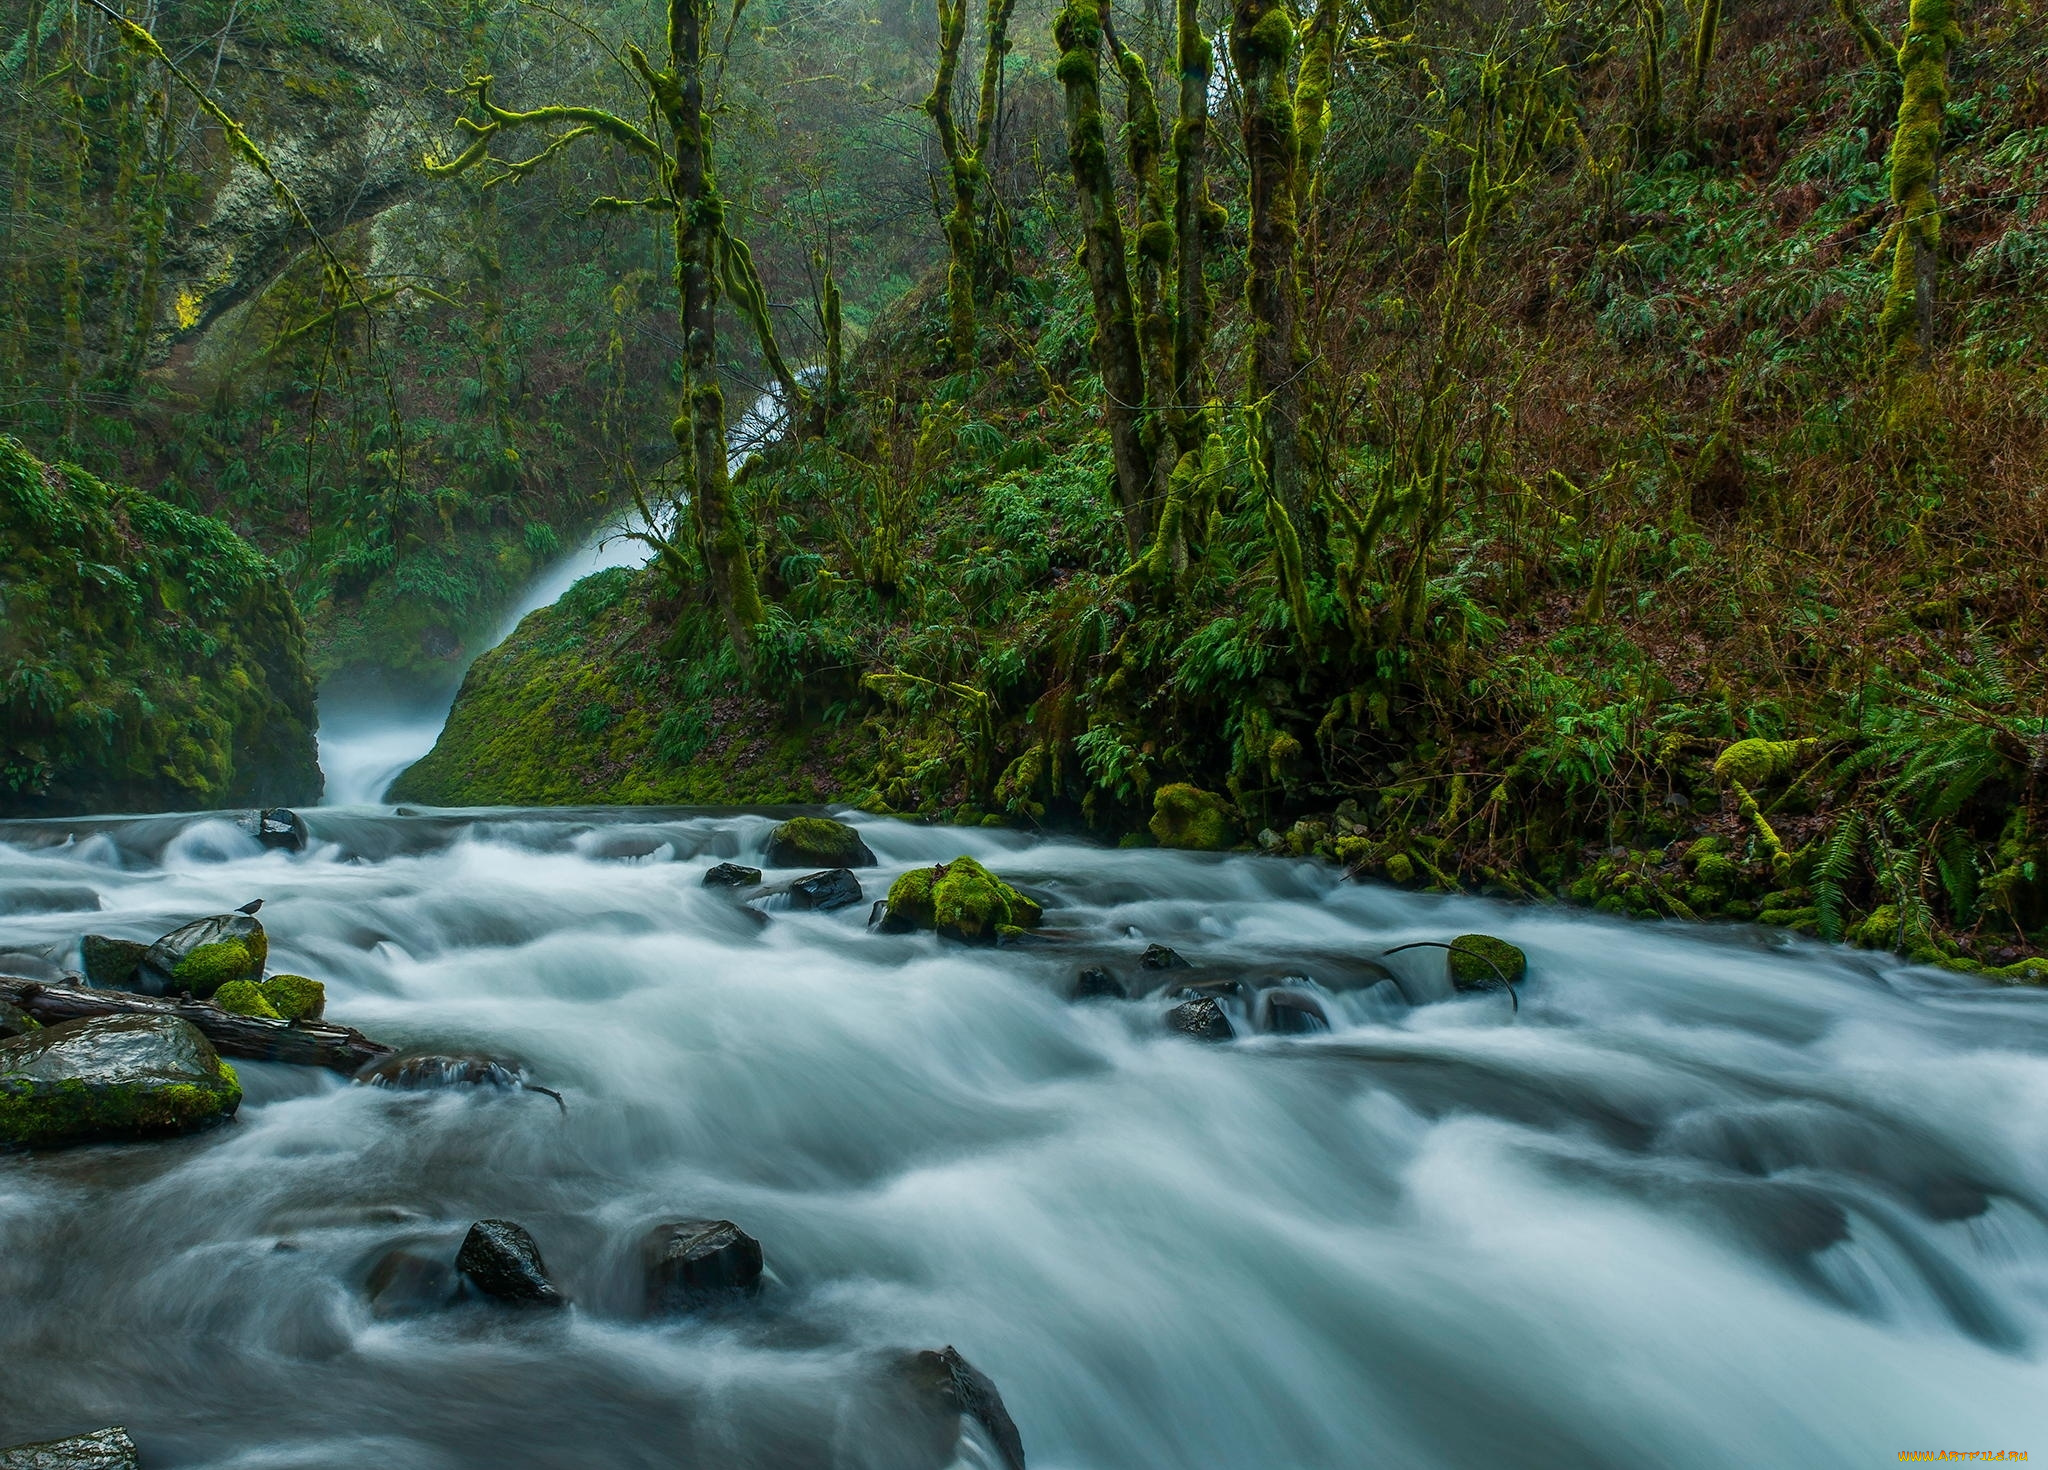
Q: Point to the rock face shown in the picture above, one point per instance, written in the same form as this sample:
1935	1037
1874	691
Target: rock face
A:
111	1077
817	842
157	660
731	875
836	888
951	1384
205	955
1188	817
1202	1019
695	1263
104	1449
1480	961
501	1260
961	900
111	963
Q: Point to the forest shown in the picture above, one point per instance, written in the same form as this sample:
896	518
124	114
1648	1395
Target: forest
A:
1573	450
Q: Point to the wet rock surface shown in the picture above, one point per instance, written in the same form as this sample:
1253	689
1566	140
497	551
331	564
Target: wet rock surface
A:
501	1260
204	955
14	1021
731	875
817	842
110	1078
103	1449
111	963
1159	957
1203	1019
836	888
1291	1013
281	827
951	1384
697	1263
1096	983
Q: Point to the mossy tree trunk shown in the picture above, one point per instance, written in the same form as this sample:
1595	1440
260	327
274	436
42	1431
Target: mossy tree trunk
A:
969	274
1907	320
1079	31
1194	214
1702	61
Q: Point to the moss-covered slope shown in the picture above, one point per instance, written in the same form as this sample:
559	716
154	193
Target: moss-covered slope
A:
150	659
579	706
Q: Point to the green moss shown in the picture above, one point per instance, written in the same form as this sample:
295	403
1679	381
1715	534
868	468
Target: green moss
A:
245	998
1480	960
1188	817
961	900
210	966
1756	763
295	997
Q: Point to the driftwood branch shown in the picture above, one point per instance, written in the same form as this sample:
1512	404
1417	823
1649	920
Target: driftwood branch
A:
258	1038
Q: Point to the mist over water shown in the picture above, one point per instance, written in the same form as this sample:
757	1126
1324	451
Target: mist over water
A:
1713	1198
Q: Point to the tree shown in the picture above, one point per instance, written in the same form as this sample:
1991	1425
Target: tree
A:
969	276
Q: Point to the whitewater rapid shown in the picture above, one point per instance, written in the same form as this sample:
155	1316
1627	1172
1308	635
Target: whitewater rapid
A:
1714	1197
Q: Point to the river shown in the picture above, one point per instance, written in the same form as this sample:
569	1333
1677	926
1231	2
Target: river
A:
1713	1196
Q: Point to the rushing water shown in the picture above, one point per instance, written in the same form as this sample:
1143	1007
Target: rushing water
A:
1712	1198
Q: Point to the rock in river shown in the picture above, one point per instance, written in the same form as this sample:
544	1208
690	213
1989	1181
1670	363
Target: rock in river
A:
693	1263
950	1384
111	1077
817	842
835	888
14	1021
1096	983
1159	957
281	827
1291	1013
405	1283
731	875
501	1260
111	963
1202	1019
104	1449
204	955
1480	962
962	900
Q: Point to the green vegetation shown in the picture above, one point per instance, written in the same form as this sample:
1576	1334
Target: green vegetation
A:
294	997
961	900
245	998
1477	961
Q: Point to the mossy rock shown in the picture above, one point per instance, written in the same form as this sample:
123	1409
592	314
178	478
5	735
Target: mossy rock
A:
295	997
1191	819
960	900
14	1021
817	842
1757	763
204	955
1479	961
111	963
111	1077
245	998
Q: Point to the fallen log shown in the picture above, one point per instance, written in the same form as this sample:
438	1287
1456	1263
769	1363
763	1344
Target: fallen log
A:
258	1038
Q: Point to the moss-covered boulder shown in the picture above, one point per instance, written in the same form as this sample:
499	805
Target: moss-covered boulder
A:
154	660
111	963
1480	961
111	1077
1760	762
960	900
204	955
295	997
817	842
1190	818
245	998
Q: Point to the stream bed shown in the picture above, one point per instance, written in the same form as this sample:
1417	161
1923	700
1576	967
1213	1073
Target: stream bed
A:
1712	1197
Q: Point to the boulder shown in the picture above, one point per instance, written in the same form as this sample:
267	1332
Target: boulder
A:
14	1021
1481	962
103	1449
44	962
695	1263
281	827
1192	819
731	875
961	900
1230	989
1202	1019
950	1385
204	955
296	997
1291	1013
245	998
817	842
111	963
835	888
422	1071
111	1077
53	898
406	1283
1159	957
1096	983
501	1260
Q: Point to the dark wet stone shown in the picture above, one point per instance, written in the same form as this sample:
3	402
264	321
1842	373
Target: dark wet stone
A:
1159	957
111	1077
204	955
111	963
835	888
281	827
47	898
1291	1013
817	842
14	1021
103	1449
1231	989
407	1283
695	1263
1096	983
1202	1019
951	1384
424	1071
731	875
501	1260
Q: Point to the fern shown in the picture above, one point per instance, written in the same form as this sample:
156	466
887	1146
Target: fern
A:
1838	862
